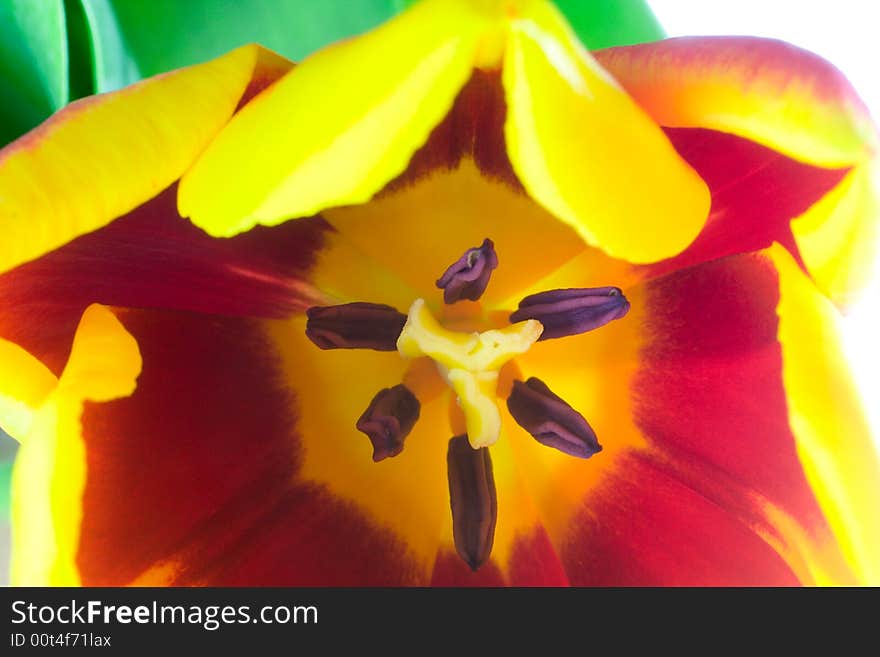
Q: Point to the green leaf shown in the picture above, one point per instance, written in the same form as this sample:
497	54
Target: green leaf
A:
606	23
5	479
33	63
8	447
134	39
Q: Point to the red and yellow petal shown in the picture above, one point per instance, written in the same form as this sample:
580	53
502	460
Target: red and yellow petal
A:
102	156
50	472
25	383
833	439
768	91
788	100
702	401
338	127
585	151
837	237
152	258
198	477
757	193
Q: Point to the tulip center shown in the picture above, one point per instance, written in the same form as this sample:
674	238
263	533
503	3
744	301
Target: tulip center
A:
469	363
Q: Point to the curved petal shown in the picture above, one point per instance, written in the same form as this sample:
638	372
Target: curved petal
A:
585	151
50	469
757	194
768	91
787	99
838	236
690	392
102	156
24	385
338	127
833	439
199	476
152	258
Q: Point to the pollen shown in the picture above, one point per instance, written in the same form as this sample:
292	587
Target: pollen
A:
469	363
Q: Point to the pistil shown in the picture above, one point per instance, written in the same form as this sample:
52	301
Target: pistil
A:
469	362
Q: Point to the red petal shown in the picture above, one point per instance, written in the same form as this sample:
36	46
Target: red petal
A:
644	527
473	128
756	192
153	258
193	479
710	385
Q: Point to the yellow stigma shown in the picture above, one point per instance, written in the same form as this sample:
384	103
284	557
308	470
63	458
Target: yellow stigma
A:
469	362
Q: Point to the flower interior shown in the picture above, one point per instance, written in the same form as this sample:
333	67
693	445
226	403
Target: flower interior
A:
470	363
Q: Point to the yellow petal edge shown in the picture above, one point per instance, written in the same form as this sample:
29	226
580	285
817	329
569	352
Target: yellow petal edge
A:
585	151
49	475
833	439
339	126
102	156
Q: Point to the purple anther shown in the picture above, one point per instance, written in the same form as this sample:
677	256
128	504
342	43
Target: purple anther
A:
357	325
388	420
473	500
550	420
572	311
467	277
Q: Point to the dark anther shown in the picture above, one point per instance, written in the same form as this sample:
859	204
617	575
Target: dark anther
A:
467	277
572	311
355	326
473	501
388	420
550	420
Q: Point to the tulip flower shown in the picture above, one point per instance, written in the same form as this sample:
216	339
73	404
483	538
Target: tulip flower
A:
454	302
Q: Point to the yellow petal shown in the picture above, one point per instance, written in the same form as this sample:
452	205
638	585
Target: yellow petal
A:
588	153
104	155
339	126
24	384
833	439
837	237
49	474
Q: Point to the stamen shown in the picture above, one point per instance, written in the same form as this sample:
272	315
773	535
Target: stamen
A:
357	325
572	311
550	420
467	277
472	499
388	420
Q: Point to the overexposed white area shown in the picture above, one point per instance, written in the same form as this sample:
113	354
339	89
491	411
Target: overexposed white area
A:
846	33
